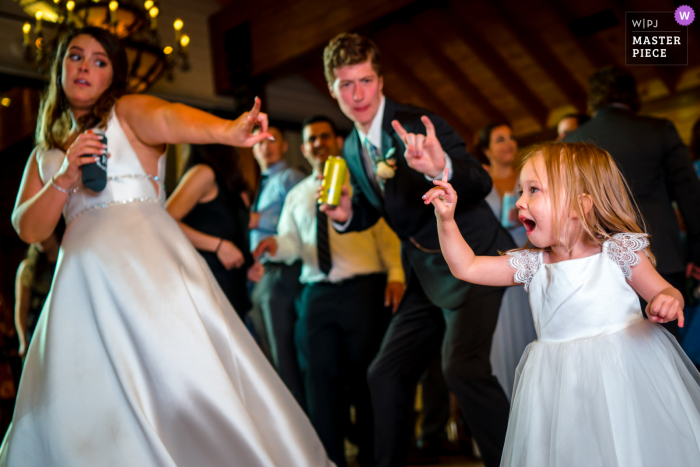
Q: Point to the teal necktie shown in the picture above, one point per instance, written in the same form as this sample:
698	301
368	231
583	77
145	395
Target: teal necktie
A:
375	158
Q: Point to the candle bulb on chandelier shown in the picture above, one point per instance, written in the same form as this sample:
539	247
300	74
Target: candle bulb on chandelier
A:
177	25
153	13
26	29
69	6
38	17
184	42
113	6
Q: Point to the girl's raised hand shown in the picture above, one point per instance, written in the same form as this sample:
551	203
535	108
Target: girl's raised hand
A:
443	197
85	144
664	308
242	135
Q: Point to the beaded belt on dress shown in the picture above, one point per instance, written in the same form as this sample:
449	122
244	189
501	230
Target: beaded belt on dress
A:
155	178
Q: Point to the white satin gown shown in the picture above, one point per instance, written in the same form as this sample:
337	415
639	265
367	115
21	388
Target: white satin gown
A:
601	386
138	358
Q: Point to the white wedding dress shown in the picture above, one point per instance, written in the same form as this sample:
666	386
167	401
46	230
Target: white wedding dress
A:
601	386
138	358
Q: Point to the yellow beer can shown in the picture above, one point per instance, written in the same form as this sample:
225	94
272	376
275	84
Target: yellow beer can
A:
333	178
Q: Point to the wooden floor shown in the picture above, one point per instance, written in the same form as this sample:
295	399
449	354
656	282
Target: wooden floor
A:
447	461
455	461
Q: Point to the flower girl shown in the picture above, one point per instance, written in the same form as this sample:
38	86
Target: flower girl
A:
601	385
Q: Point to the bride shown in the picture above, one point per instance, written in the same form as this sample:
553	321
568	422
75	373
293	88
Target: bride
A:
138	358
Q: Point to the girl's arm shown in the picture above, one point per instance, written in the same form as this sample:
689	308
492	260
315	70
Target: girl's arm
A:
156	122
38	206
22	294
665	303
199	183
463	263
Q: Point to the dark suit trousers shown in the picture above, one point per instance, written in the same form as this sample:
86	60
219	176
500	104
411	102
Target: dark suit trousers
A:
338	334
415	333
273	299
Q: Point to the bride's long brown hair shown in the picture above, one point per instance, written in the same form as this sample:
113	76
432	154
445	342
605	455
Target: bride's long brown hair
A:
54	123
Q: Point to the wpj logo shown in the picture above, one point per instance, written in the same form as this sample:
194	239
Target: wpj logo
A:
657	38
650	23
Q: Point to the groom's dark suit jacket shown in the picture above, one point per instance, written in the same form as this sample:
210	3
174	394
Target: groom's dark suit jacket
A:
414	222
657	167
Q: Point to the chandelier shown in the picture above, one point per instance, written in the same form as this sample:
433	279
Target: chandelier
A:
134	23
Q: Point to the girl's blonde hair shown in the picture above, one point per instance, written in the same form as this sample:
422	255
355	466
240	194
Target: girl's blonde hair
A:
576	169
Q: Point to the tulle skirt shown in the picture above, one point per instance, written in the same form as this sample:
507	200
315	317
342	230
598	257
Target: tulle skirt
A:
631	398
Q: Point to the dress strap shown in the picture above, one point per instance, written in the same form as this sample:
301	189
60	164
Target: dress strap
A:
622	249
526	263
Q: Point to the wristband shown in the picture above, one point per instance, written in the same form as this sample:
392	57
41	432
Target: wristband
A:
221	240
62	190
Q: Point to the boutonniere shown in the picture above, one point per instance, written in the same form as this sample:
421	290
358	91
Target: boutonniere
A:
387	168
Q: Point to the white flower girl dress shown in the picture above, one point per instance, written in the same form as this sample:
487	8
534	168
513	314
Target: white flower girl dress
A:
601	386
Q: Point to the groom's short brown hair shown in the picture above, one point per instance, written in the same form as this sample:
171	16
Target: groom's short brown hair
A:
349	49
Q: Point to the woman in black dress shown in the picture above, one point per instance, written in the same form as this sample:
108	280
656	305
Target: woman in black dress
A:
211	205
34	277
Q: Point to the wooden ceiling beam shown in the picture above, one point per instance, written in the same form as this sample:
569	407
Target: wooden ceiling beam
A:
284	29
538	50
592	47
493	61
414	39
435	105
315	77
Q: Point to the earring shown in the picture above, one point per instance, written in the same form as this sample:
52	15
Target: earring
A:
58	80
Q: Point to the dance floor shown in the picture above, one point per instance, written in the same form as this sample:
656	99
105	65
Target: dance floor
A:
454	461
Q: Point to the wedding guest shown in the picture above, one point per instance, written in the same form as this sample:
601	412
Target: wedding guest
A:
394	154
695	147
209	203
569	122
515	329
351	284
273	312
33	283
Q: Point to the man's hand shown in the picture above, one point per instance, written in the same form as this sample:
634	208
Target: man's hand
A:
255	272
392	295
423	152
267	245
340	213
664	308
693	270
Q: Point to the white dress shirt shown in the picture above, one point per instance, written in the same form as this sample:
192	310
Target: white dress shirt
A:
376	250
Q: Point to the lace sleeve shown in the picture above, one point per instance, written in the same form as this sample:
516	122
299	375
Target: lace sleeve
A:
622	248
526	263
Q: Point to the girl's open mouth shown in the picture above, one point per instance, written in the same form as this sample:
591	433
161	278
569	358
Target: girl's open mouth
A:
528	223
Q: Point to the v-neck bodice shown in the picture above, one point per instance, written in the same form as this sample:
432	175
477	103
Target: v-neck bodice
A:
127	181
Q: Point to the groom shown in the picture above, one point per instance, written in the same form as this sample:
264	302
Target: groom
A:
394	153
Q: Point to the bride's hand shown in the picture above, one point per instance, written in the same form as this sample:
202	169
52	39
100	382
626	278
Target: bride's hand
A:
242	134
85	144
